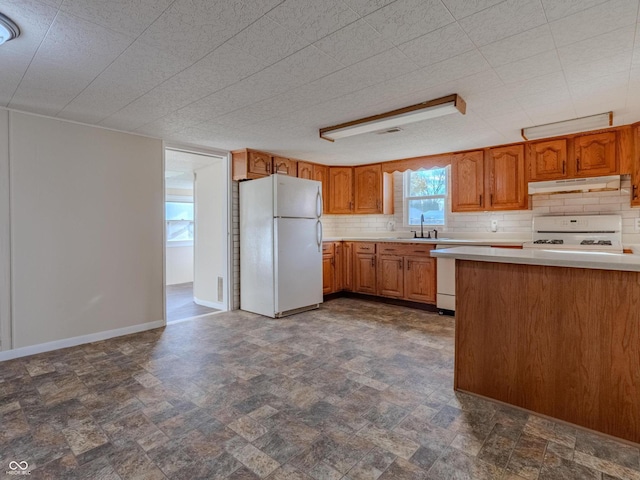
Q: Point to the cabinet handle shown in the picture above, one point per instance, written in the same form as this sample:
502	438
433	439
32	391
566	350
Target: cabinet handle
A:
491	199
480	199
373	261
408	264
578	163
333	261
564	164
400	264
350	205
635	192
378	204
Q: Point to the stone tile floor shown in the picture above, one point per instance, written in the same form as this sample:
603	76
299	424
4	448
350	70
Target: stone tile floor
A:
353	391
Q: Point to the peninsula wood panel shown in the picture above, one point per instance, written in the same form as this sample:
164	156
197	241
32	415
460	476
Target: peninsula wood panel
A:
564	342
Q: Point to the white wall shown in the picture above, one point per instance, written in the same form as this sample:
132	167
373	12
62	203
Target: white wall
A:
211	199
179	265
516	222
5	239
87	229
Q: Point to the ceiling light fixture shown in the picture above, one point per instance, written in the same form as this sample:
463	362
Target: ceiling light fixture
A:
395	118
582	124
8	29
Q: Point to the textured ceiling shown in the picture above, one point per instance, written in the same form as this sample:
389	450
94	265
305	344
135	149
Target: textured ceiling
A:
267	74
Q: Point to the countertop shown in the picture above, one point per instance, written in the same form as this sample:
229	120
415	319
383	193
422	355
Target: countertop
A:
593	260
432	241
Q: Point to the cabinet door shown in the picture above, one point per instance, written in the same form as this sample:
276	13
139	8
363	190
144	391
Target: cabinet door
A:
635	176
365	273
420	279
259	163
321	174
507	184
548	160
328	274
305	170
467	182
596	154
390	276
368	189
347	266
340	189
285	166
339	267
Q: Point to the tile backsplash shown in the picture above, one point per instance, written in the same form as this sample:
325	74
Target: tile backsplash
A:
514	222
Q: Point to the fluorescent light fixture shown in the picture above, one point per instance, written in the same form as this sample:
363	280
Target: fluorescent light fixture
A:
395	118
8	29
582	124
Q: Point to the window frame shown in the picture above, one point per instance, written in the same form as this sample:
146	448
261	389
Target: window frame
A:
406	181
178	243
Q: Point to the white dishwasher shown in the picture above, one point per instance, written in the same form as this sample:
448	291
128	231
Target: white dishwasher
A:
446	283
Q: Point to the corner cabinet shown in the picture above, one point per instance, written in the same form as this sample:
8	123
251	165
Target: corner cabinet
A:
467	181
506	178
340	190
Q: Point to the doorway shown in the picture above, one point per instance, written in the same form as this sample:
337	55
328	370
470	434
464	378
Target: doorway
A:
196	234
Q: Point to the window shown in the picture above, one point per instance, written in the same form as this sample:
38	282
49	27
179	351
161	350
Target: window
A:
425	194
180	221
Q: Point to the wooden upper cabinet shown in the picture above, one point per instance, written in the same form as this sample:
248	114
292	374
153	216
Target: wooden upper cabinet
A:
635	175
467	181
340	190
321	174
250	164
285	166
305	170
507	185
368	189
547	160
595	154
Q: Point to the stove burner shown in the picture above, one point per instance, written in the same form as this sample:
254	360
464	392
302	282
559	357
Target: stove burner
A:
595	242
549	242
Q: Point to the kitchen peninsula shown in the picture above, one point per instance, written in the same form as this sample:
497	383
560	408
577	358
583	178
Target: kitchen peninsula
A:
556	333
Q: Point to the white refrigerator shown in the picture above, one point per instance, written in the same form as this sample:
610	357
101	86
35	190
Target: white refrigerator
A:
280	245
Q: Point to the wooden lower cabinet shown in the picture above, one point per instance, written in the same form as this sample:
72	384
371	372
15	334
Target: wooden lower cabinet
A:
420	279
403	271
391	276
365	273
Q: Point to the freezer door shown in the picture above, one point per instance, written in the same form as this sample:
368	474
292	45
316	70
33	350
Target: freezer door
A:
296	197
298	276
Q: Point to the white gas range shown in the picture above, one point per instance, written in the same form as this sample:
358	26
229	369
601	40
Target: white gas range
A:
584	233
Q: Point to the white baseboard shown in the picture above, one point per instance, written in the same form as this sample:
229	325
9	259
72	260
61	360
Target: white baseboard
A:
204	303
73	341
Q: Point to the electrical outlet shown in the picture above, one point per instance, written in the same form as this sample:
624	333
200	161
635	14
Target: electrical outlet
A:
494	225
637	225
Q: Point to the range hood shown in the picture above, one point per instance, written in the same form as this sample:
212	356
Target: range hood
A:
611	182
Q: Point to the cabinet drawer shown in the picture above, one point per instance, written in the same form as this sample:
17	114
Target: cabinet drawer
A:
327	248
404	249
365	247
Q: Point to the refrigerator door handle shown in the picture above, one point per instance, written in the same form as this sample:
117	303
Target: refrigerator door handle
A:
319	235
319	203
